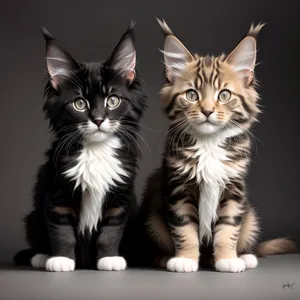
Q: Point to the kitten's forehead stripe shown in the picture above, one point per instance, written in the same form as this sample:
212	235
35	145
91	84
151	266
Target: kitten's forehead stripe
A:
214	80
199	74
197	81
207	72
202	71
211	76
208	61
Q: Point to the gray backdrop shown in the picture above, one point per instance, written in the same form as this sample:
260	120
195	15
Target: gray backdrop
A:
90	31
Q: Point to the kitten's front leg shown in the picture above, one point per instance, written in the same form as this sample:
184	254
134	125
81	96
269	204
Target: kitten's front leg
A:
227	229
108	241
61	221
183	224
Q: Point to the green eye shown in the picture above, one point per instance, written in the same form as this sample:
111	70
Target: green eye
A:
80	104
224	96
191	95
113	102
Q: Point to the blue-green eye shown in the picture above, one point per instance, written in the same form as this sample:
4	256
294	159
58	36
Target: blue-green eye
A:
113	101
80	104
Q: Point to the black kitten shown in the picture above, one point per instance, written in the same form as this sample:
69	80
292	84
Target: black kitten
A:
85	190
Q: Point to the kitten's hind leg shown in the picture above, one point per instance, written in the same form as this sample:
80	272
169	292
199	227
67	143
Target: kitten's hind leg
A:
38	261
250	260
161	261
185	259
37	238
159	234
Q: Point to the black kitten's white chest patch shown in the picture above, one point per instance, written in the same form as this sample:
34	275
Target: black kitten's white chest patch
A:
97	169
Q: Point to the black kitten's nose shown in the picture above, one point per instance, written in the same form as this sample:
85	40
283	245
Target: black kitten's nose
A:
98	122
207	112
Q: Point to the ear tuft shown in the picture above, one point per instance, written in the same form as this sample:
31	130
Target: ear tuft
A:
164	26
131	25
255	29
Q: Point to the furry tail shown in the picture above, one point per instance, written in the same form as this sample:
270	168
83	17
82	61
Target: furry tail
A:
23	257
276	246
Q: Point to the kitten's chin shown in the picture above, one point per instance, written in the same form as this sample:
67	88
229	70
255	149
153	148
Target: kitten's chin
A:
96	137
207	128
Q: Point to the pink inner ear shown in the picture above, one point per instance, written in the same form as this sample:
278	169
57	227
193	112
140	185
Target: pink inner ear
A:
250	77
54	83
132	62
247	75
169	75
130	75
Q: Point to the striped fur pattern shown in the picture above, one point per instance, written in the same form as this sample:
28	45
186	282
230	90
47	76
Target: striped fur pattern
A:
198	197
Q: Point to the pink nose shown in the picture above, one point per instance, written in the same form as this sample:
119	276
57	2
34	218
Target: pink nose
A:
207	112
98	122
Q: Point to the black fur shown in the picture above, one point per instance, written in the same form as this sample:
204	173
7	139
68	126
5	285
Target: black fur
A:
55	234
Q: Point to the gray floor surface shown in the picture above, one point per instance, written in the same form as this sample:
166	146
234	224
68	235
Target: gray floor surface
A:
276	277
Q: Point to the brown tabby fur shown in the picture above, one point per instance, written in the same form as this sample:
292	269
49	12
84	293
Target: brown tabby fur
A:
178	217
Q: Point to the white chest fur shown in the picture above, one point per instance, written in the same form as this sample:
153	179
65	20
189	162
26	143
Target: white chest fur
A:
97	169
212	175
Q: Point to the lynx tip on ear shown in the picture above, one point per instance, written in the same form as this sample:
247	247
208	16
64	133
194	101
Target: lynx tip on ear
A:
255	29
46	34
131	25
166	29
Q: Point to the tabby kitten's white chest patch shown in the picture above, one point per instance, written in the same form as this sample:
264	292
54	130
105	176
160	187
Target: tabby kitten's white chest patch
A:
212	175
96	171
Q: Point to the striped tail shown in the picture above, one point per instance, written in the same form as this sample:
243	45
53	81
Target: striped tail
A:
276	246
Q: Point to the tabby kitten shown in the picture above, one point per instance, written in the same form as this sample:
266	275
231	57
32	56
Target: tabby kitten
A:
198	196
85	190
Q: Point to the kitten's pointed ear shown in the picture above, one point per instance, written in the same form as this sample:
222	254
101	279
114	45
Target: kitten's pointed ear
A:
60	63
123	58
243	57
176	55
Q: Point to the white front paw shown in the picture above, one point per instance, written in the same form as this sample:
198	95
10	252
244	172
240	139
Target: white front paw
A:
232	265
182	264
60	264
250	260
111	263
